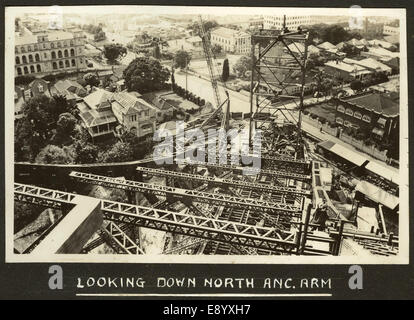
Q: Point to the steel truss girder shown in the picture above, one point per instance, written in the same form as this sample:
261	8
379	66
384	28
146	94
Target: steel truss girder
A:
201	227
40	196
121	239
185	224
224	182
198	196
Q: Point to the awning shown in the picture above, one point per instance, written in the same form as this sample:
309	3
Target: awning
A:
378	195
384	172
348	154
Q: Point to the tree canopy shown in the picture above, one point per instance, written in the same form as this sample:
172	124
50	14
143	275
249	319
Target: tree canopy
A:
208	25
145	74
182	59
226	70
119	152
54	154
114	51
356	85
242	65
91	79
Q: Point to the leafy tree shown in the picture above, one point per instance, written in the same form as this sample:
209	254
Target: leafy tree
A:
100	36
157	52
27	141
208	25
226	70
114	51
145	74
54	154
119	152
356	85
66	124
216	49
182	59
91	79
242	65
85	152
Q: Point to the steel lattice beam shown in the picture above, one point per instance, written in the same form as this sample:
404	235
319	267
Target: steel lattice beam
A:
40	196
250	170
214	181
201	227
181	223
181	194
117	235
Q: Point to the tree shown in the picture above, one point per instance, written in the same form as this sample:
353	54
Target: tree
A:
91	79
226	70
66	124
242	65
208	25
216	49
114	51
119	152
85	152
182	59
99	36
145	74
356	85
54	154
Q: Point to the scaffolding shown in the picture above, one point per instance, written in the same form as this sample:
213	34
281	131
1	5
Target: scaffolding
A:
277	88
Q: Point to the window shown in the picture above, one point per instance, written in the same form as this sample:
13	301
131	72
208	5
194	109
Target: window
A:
366	118
17	60
59	54
53	55
72	52
60	64
39	69
73	63
26	71
32	69
37	57
30	58
339	120
16	49
52	45
54	65
40	87
45	55
357	115
67	64
19	71
347	123
66	53
341	109
349	112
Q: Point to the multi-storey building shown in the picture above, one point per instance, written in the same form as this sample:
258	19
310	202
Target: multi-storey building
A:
134	114
49	52
292	22
232	41
375	114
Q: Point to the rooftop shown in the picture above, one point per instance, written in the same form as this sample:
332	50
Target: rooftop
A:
96	98
347	67
383	103
228	33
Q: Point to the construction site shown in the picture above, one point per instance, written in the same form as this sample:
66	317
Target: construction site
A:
208	207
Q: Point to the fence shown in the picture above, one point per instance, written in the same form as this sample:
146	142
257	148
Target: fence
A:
360	145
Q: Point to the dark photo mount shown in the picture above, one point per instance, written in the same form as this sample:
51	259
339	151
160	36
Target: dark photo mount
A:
310	202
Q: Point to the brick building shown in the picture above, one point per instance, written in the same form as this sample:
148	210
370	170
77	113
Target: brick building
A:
49	52
232	41
375	114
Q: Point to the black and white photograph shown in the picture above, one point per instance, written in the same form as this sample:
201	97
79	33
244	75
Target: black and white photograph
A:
172	134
